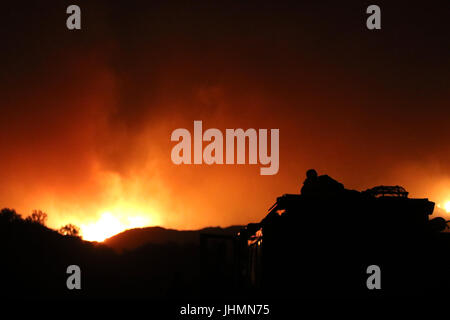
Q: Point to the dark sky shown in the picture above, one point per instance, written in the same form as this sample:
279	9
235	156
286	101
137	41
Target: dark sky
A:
86	116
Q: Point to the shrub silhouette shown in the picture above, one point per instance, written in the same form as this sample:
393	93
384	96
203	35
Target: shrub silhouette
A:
9	216
37	216
70	230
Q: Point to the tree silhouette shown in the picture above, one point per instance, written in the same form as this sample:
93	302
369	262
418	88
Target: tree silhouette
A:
37	216
70	230
9	215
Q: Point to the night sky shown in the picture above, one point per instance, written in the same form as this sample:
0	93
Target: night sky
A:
86	115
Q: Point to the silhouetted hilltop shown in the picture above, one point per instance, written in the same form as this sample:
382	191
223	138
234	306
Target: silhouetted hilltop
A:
158	263
135	238
35	258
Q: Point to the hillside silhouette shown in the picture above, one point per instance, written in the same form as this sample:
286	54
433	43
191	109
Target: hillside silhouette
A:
135	238
158	263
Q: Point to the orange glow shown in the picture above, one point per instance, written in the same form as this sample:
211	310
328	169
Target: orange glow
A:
109	225
447	206
124	206
104	159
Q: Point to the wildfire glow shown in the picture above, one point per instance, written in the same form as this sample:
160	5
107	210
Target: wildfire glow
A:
109	225
447	206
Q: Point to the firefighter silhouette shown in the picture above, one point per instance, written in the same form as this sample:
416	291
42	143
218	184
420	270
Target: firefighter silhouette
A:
324	184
